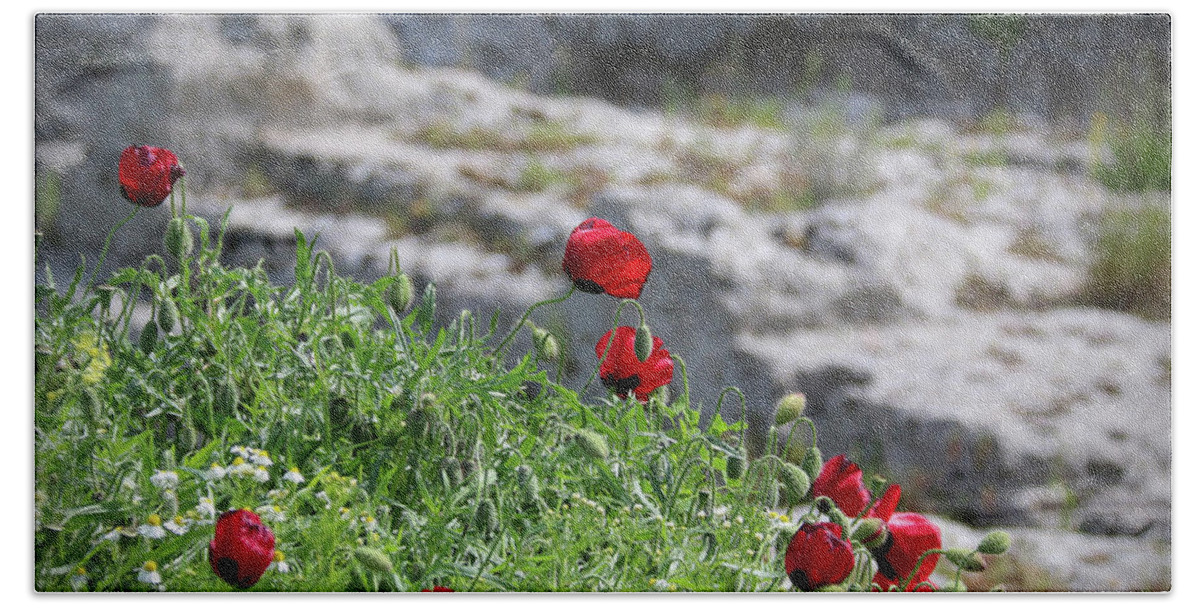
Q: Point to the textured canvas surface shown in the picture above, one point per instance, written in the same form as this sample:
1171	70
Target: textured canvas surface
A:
455	302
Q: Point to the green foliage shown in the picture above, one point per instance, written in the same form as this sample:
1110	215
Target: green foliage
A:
324	378
1131	270
542	136
1142	159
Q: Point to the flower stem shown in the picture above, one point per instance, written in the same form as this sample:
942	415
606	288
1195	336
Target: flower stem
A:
612	335
517	327
107	243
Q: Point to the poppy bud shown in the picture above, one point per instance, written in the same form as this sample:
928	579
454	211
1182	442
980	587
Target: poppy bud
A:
486	518
453	471
592	443
147	174
428	308
527	482
817	557
400	294
546	344
178	239
167	315
812	462
789	408
373	559
735	466
995	543
241	549
966	559
643	343
225	395
871	532
149	338
795	483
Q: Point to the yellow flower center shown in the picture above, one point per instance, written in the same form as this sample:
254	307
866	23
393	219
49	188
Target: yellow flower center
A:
154	520
279	556
239	461
150	566
79	571
178	520
294	470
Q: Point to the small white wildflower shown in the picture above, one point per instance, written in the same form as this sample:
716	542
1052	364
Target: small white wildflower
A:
152	528
271	513
114	534
206	507
750	552
214	472
625	510
293	475
701	514
241	451
725	524
600	510
165	479
637	507
758	536
261	458
576	496
739	519
345	513
277	494
261	475
128	483
148	574
240	468
325	497
369	523
670	524
178	525
279	563
79	580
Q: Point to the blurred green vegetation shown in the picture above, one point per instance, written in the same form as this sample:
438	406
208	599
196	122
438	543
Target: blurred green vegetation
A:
1132	267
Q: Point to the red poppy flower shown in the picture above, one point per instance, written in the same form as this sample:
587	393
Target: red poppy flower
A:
602	259
439	588
621	371
842	481
242	548
909	535
147	174
817	556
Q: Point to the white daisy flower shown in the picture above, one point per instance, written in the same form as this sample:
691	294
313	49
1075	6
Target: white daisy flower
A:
261	474
240	451
79	580
345	513
165	479
369	523
240	468
701	514
178	525
271	513
261	458
293	475
214	472
280	563
277	494
206	507
148	574
152	528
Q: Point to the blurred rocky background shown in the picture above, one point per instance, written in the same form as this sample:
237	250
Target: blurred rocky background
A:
951	231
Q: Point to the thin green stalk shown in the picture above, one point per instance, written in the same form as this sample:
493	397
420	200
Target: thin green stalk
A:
107	243
612	336
524	317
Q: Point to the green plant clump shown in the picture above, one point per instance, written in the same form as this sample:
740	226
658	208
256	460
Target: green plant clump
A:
1132	267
